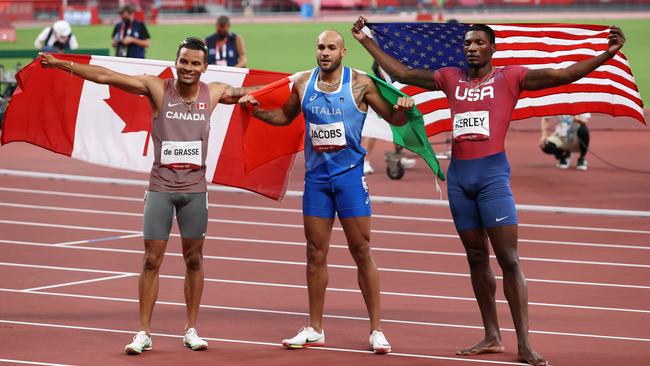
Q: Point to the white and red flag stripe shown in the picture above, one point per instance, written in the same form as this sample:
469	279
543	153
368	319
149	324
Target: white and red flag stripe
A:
610	89
103	125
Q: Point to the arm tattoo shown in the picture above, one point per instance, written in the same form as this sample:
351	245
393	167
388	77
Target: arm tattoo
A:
359	91
269	116
237	92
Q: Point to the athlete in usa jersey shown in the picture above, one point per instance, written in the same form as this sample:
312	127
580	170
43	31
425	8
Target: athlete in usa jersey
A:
482	99
481	108
334	100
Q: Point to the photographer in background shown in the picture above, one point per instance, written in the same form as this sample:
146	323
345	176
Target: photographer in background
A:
56	38
564	135
130	37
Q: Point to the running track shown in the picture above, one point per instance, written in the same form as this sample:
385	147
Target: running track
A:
71	252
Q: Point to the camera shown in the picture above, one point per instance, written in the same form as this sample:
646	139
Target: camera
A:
121	50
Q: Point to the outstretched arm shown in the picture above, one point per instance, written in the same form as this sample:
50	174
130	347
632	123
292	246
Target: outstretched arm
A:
141	84
277	117
548	78
396	70
227	94
393	114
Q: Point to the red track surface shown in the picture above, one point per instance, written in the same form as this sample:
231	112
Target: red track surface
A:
589	285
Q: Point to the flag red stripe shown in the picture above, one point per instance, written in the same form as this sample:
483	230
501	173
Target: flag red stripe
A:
270	178
545	47
541	34
498	61
580	88
35	114
536	26
618	110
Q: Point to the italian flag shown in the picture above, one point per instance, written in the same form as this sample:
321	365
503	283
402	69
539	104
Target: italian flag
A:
103	125
412	135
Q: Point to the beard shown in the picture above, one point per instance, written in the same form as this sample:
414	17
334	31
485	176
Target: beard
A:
333	65
476	65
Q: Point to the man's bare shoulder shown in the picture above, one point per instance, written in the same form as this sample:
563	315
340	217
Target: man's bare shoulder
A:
360	77
302	77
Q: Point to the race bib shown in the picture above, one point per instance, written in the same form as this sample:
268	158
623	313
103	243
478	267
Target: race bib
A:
181	154
327	137
472	126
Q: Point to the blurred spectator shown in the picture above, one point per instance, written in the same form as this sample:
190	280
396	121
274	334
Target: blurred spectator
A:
56	38
570	134
8	85
226	48
130	36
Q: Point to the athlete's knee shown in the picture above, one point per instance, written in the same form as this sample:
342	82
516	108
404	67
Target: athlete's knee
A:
316	252
360	252
509	262
477	257
151	262
194	261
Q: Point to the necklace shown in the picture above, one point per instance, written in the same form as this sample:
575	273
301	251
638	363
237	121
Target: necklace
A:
189	104
329	84
482	81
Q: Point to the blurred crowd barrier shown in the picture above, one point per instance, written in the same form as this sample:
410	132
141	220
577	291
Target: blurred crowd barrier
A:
97	11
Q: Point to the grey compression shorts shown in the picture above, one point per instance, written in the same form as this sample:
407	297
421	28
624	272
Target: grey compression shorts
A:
191	214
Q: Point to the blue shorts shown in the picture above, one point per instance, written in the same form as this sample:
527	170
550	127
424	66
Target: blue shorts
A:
479	193
345	195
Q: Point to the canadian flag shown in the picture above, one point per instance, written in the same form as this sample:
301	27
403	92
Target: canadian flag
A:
104	125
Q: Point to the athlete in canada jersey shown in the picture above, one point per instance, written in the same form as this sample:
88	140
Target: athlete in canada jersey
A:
482	99
181	110
334	100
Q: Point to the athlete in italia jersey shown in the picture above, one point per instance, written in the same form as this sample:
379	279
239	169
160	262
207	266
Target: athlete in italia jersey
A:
181	110
481	100
334	100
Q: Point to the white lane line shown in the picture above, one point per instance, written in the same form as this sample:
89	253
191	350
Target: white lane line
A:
73	227
383	269
432	219
298	211
329	316
376	199
387	293
80	282
23	362
257	343
69	269
299	226
454	254
97	240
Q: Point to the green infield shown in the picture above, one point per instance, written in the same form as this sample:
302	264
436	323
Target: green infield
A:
291	47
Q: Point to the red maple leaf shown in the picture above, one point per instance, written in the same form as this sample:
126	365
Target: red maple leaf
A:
134	110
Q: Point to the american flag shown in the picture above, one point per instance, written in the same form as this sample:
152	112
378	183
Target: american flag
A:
610	89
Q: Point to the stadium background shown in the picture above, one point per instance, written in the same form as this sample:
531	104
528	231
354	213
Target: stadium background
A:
280	37
72	250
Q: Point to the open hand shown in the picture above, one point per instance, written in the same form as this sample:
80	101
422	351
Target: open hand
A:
616	40
357	27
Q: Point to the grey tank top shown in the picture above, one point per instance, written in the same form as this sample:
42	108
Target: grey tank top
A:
180	141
